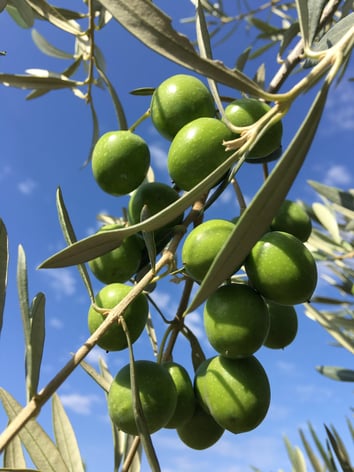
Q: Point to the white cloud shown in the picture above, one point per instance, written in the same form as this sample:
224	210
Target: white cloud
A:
286	367
95	355
338	175
308	392
62	282
158	156
27	186
80	404
339	112
56	323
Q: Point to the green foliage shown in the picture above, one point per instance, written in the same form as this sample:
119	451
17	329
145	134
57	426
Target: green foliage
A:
319	55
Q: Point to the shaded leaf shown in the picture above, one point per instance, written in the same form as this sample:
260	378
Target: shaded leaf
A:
41	449
334	194
4	263
321	450
263	206
36	343
303	15
21	12
54	16
13	455
122	120
47	48
65	437
70	238
337	373
335	33
151	26
243	58
315	8
339	450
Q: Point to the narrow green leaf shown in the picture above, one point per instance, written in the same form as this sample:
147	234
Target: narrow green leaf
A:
152	27
334	194
335	34
303	14
36	341
243	58
54	16
70	238
47	48
13	455
263	206
41	449
310	453
4	263
36	82
299	462
22	287
65	437
351	428
21	12
136	463
328	220
100	379
339	451
337	373
289	34
122	120
321	449
315	8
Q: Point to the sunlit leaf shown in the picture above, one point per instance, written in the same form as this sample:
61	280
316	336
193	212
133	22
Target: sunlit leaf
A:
151	26
310	453
21	12
36	82
263	206
48	48
13	455
4	262
22	285
70	238
328	220
337	373
36	343
41	449
101	380
54	16
65	437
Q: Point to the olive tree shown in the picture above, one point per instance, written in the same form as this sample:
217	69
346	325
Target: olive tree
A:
314	39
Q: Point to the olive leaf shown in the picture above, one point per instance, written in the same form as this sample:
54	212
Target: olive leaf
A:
65	437
328	220
336	373
54	16
21	12
47	48
152	27
263	206
303	15
41	449
317	467
70	237
4	262
334	194
13	455
37	82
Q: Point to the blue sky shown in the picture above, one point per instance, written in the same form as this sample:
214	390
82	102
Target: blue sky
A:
44	144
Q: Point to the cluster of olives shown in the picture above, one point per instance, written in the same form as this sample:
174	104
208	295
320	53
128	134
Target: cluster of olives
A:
230	391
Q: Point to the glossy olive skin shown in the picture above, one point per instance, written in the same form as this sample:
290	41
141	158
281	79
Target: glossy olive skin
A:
185	395
236	320
245	112
282	269
203	244
135	316
201	431
283	326
119	264
292	218
157	395
236	392
196	151
177	101
120	161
